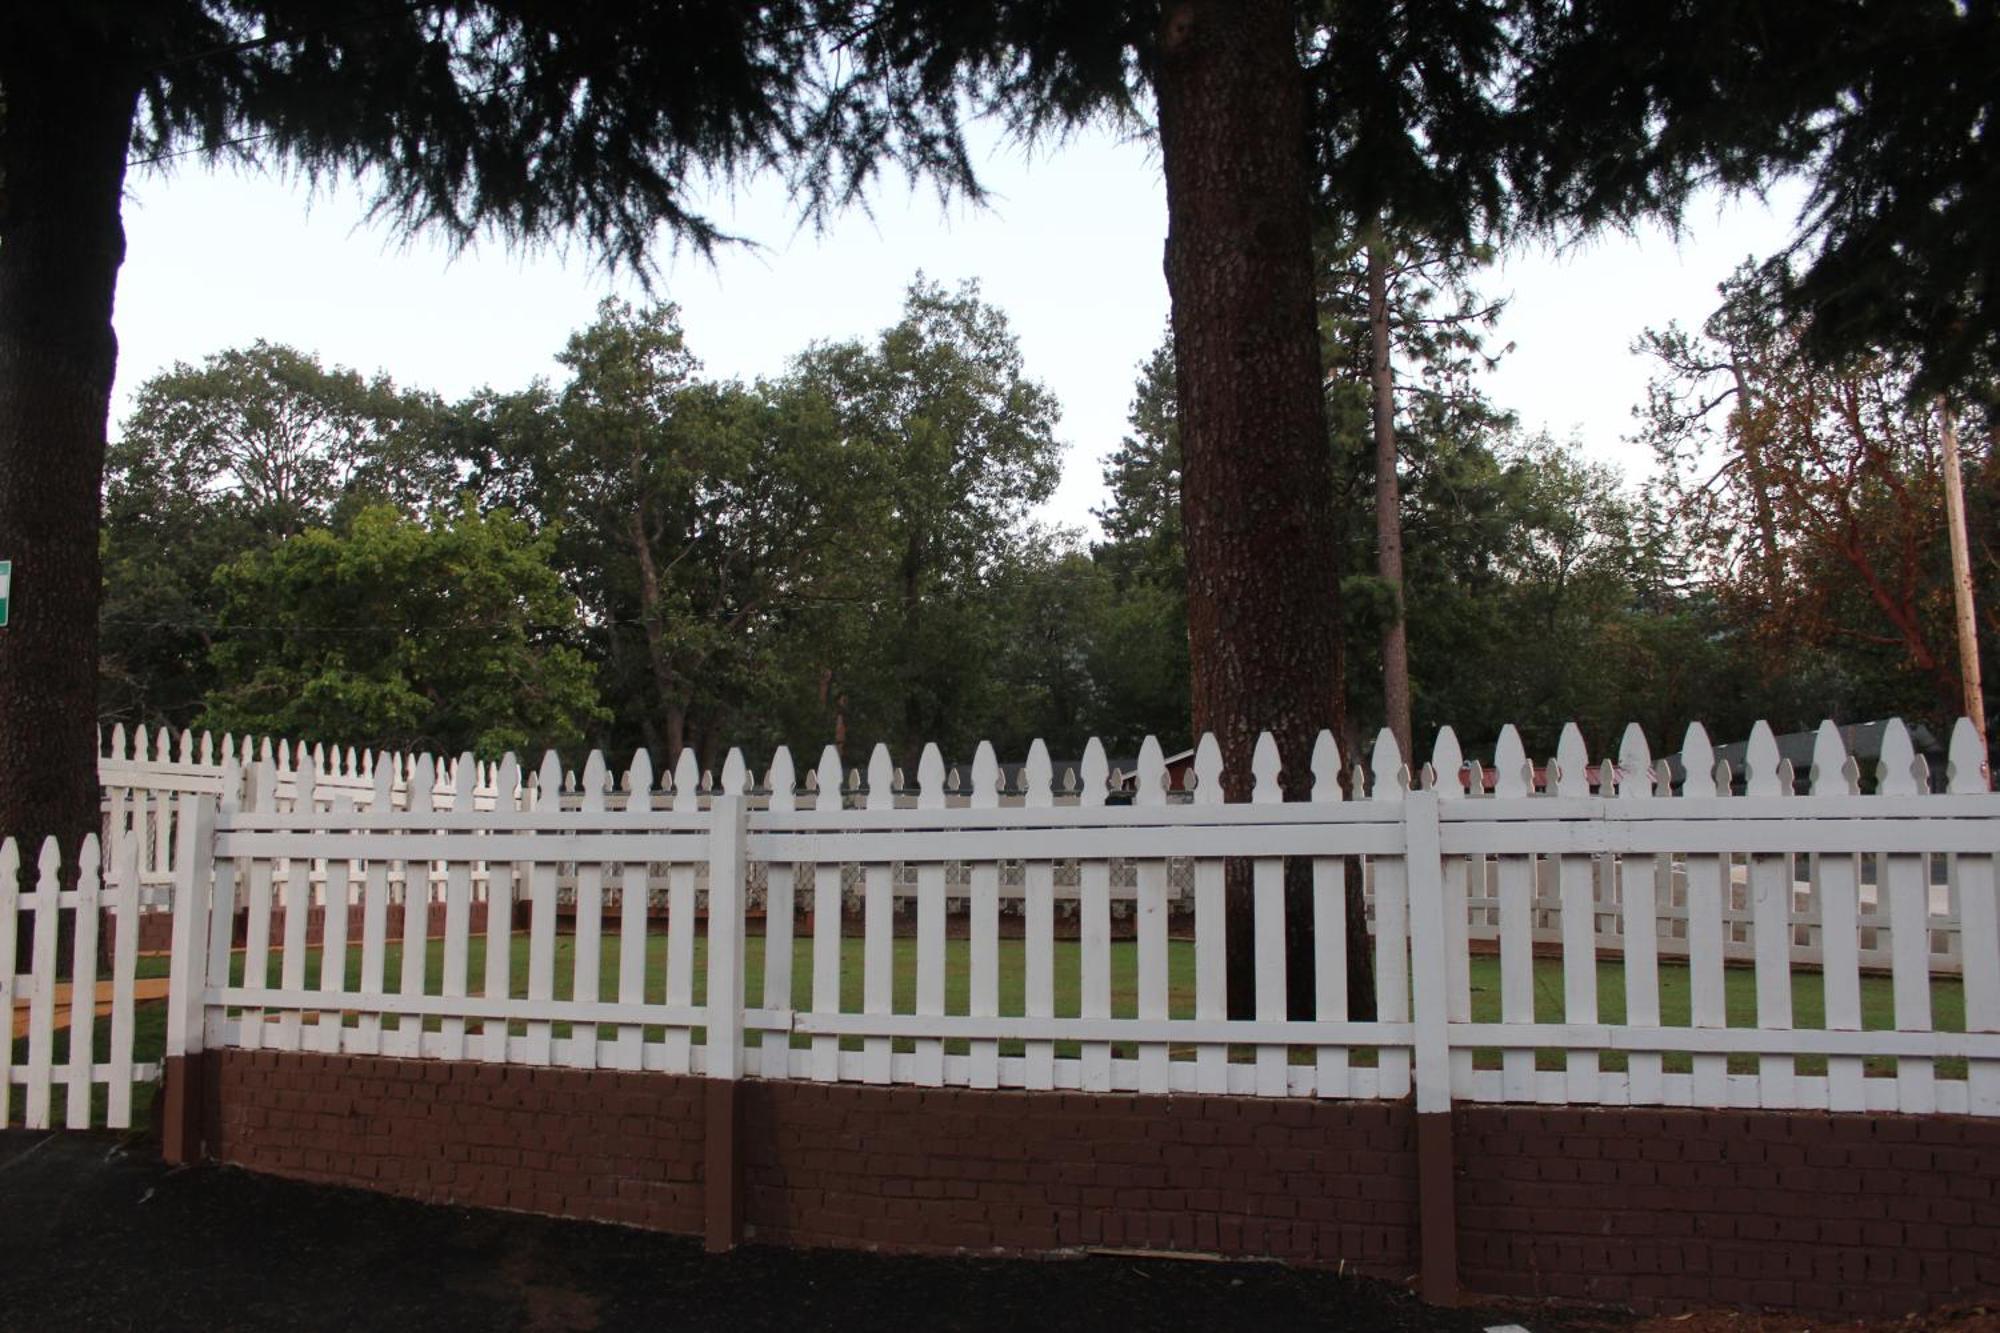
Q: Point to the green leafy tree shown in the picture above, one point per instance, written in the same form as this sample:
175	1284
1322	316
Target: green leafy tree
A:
960	443
698	520
254	445
447	636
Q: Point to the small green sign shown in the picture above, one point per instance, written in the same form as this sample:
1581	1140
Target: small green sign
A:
6	589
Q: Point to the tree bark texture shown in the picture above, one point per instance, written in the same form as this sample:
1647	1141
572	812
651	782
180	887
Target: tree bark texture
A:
1257	478
64	134
1388	508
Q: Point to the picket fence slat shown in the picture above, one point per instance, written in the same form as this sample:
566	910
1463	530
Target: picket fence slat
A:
83	985
124	975
983	981
878	924
42	994
780	915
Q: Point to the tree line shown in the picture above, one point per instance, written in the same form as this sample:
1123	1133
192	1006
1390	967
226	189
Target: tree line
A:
637	554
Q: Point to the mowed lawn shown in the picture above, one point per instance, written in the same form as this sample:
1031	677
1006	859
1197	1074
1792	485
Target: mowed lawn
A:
1808	996
1808	993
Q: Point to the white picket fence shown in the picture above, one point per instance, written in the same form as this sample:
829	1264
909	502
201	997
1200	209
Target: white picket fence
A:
65	1057
1891	862
142	774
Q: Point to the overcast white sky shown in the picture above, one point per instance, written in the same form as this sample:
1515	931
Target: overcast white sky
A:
1070	249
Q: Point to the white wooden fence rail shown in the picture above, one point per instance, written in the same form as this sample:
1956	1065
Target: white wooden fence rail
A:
596	979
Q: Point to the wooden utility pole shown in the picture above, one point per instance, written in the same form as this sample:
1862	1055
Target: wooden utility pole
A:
1961	573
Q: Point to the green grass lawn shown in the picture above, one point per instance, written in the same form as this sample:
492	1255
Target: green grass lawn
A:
1808	999
1808	996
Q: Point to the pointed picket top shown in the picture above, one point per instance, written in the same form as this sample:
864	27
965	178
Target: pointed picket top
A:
735	779
783	780
88	860
1896	775
1511	775
1697	762
1832	773
548	782
381	782
1069	782
423	784
637	781
49	863
507	783
318	755
1571	769
881	779
141	745
1094	772
1389	780
594	774
305	788
1204	775
1965	764
205	750
687	781
930	778
1635	765
186	749
463	781
353	768
985	777
247	786
1036	775
1266	771
1325	767
1760	761
829	778
1447	766
1151	774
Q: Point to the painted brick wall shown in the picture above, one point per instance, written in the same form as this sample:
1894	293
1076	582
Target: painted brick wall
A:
943	1169
1660	1209
614	1147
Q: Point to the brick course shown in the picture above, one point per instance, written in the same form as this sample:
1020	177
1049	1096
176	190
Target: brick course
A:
1654	1209
1662	1209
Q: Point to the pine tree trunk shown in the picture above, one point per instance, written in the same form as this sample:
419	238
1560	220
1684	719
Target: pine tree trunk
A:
1388	507
64	134
1257	478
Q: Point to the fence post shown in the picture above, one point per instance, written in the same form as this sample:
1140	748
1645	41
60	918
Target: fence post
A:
723	1052
1430	966
181	1136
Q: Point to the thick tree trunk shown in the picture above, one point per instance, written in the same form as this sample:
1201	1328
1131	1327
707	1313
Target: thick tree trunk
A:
1257	480
64	133
1388	507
